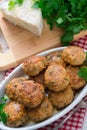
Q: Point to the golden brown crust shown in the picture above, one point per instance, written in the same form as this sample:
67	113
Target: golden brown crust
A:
12	86
55	53
61	99
34	65
74	55
55	57
30	93
17	115
56	77
42	112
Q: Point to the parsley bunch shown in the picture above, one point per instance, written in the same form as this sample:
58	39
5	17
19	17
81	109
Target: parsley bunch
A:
70	15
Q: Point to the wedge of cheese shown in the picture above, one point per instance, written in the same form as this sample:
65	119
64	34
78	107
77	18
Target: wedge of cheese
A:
24	16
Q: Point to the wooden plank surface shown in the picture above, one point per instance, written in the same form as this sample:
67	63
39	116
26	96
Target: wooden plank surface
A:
23	43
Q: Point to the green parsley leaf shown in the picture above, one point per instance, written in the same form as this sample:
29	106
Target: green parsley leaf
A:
12	3
83	73
20	2
66	38
59	20
3	115
4	98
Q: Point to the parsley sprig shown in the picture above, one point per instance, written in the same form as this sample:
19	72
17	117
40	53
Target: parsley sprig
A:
12	3
70	15
3	115
83	73
83	70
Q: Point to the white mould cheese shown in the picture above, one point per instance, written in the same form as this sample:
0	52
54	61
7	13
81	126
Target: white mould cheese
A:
24	16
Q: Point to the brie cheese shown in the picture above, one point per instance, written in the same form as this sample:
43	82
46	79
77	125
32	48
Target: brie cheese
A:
24	16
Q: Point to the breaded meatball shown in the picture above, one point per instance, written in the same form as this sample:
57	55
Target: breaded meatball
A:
74	55
75	81
61	99
29	93
56	77
42	112
55	57
34	65
12	86
17	114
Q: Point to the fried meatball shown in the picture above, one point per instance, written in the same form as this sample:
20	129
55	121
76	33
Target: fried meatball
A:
75	81
42	112
30	93
74	55
12	86
56	77
27	92
55	57
17	115
61	99
34	65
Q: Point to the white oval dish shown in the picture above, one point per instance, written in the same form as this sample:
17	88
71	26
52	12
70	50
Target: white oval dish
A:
18	72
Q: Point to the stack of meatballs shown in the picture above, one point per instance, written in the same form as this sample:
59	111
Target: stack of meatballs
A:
53	82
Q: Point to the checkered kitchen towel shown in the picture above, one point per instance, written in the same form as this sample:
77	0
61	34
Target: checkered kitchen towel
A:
77	119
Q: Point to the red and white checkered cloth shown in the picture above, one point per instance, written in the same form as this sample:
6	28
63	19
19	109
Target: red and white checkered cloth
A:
76	121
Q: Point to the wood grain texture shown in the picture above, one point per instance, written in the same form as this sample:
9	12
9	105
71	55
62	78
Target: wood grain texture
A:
23	43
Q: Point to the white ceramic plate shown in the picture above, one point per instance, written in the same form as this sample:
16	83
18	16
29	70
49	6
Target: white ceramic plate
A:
19	72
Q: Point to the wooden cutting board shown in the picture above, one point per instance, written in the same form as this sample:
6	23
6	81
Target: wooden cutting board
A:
23	43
